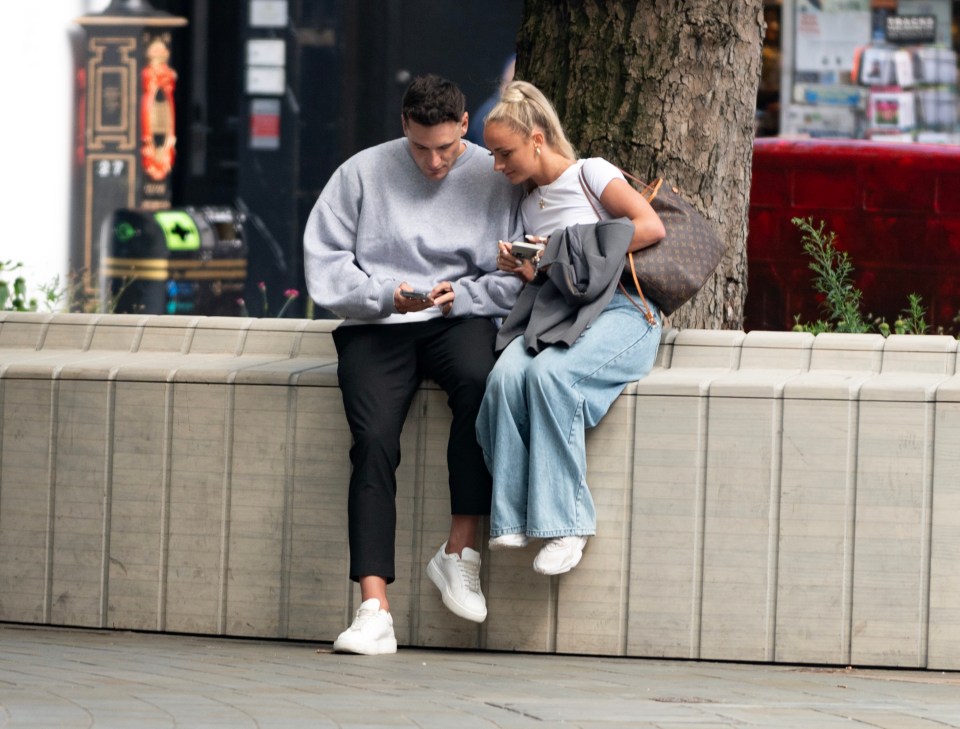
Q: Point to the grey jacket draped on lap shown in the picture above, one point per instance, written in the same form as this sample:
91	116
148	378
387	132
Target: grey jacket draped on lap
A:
580	269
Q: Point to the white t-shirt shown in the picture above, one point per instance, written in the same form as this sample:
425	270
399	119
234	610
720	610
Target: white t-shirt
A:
564	202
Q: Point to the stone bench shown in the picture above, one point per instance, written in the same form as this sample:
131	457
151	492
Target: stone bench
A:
770	496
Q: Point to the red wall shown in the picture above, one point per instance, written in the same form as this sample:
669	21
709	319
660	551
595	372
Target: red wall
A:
894	207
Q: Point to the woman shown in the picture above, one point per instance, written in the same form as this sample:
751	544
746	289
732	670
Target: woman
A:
537	406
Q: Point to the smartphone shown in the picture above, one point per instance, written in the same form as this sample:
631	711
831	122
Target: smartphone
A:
418	295
526	251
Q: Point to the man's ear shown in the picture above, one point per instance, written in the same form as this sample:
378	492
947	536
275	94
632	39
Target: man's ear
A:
464	124
403	124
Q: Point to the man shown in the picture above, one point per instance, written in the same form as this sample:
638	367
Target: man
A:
402	244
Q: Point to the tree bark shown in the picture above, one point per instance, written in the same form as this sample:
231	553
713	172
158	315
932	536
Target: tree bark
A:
666	89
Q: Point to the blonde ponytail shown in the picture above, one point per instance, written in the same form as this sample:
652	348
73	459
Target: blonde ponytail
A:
524	108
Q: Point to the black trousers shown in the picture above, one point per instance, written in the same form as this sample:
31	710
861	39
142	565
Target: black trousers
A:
380	368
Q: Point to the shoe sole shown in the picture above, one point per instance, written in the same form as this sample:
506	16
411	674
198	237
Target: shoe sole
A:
382	647
564	568
433	572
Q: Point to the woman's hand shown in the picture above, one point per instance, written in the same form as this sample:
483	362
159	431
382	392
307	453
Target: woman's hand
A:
525	269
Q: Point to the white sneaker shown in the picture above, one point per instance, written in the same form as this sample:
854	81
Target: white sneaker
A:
371	633
559	555
508	541
458	579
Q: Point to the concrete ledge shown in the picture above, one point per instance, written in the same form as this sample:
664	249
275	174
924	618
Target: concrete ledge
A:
767	496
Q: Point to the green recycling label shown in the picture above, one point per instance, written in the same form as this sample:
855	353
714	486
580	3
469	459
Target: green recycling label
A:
179	229
125	232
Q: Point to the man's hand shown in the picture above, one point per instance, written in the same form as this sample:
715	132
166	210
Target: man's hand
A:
405	305
443	296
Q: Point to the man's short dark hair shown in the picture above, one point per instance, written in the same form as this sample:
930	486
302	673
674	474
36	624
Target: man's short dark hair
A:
432	100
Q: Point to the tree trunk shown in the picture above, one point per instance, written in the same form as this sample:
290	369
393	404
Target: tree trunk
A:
662	89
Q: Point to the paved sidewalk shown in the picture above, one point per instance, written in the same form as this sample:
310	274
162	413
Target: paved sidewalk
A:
59	678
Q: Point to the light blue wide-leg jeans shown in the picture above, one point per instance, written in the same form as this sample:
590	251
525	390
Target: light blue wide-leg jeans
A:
536	410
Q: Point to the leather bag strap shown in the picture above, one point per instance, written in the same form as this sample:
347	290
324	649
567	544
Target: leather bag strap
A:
591	196
648	189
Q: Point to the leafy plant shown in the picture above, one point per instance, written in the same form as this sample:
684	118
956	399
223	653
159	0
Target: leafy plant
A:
13	295
912	321
71	296
833	277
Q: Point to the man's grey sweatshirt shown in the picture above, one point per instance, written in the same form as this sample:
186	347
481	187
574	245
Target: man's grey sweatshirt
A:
380	221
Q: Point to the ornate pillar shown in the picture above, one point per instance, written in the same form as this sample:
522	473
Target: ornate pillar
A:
127	120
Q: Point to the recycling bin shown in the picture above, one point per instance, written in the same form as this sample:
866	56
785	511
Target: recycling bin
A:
190	260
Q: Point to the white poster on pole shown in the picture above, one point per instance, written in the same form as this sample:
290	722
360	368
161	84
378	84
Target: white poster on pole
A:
828	33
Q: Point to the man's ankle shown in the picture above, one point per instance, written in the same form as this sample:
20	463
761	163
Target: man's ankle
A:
463	533
372	586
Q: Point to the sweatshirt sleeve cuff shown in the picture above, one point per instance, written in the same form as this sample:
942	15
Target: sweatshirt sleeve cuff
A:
386	297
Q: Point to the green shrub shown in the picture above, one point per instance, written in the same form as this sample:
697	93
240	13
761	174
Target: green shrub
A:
13	295
69	297
833	277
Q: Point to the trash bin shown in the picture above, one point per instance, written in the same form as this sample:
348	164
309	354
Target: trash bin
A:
190	260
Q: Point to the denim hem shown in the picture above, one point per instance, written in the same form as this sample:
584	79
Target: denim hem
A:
551	533
508	530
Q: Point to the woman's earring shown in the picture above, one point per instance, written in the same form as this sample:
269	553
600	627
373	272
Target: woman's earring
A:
536	151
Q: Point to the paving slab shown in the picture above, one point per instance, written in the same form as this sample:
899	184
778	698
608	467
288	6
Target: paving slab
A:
65	678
